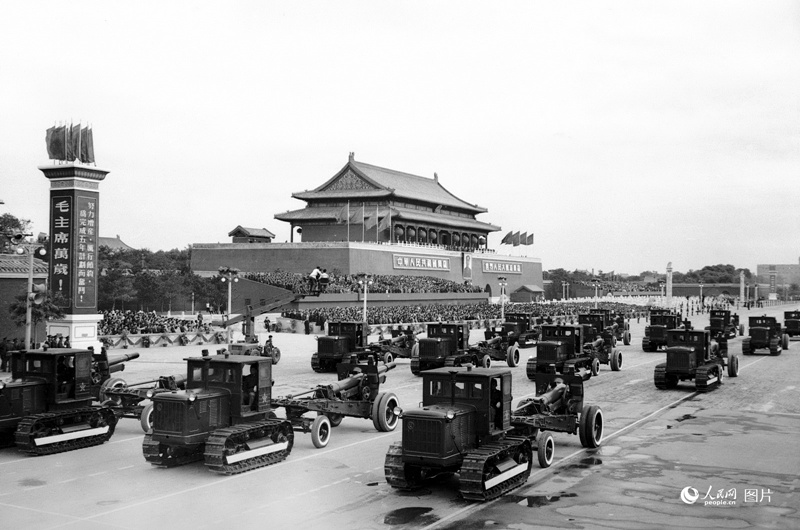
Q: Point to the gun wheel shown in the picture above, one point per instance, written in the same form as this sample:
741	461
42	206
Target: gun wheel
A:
590	429
146	418
321	431
335	419
733	366
383	416
546	449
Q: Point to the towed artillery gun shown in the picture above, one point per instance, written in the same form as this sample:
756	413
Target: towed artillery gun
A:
655	334
599	341
791	319
46	406
765	333
497	348
574	348
692	354
466	425
343	340
127	399
520	330
402	345
223	417
357	394
723	324
447	344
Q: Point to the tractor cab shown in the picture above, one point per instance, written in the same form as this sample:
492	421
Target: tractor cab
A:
687	348
246	379
560	343
65	375
457	333
486	392
791	319
349	334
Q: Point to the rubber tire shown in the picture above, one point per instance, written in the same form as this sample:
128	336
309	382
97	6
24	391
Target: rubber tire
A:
388	357
276	355
616	360
595	366
733	366
626	339
785	341
545	449
512	356
335	419
385	402
486	362
321	431
591	426
146	418
415	350
746	346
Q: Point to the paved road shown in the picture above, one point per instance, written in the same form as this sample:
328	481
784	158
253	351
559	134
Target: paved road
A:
740	438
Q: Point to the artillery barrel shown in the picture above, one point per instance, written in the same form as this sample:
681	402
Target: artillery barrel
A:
115	361
553	395
494	340
354	380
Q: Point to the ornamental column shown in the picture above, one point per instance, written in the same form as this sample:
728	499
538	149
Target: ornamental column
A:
74	229
669	283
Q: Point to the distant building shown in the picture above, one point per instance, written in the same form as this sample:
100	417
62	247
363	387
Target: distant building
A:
114	243
784	274
241	234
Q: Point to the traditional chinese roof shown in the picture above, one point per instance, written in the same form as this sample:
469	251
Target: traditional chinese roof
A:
242	231
399	214
529	288
12	264
359	180
114	243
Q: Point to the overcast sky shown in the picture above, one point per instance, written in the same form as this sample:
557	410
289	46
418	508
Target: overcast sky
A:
625	135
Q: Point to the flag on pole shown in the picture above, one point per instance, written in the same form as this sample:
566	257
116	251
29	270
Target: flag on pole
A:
87	149
515	239
530	240
523	238
343	216
68	152
507	239
75	141
371	220
55	143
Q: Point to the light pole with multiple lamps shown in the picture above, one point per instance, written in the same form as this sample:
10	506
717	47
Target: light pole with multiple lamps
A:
503	281
596	283
365	282
702	305
227	274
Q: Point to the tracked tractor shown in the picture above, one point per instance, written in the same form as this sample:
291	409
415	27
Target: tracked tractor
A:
723	324
343	340
467	426
447	344
655	333
791	319
693	355
765	333
47	407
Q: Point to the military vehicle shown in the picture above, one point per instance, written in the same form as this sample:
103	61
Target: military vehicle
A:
616	323
466	425
343	339
447	344
575	348
791	319
401	345
693	355
522	329
655	333
722	323
765	333
47	408
356	394
224	417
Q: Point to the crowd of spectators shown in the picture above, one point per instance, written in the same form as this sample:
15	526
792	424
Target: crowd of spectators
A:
606	286
115	322
399	314
348	283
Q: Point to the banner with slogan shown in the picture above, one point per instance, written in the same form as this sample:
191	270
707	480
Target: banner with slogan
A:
504	267
427	263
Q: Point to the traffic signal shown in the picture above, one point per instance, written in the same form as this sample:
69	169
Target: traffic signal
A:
38	293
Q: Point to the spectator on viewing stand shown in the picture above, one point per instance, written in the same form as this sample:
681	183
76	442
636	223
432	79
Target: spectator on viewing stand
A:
324	279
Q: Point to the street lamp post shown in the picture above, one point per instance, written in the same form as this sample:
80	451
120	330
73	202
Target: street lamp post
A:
567	290
596	283
702	305
503	281
365	283
229	275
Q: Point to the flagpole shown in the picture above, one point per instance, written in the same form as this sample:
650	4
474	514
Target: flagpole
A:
348	221
363	220
376	224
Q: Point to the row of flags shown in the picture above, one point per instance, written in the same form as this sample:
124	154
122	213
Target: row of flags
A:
69	143
360	216
517	239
